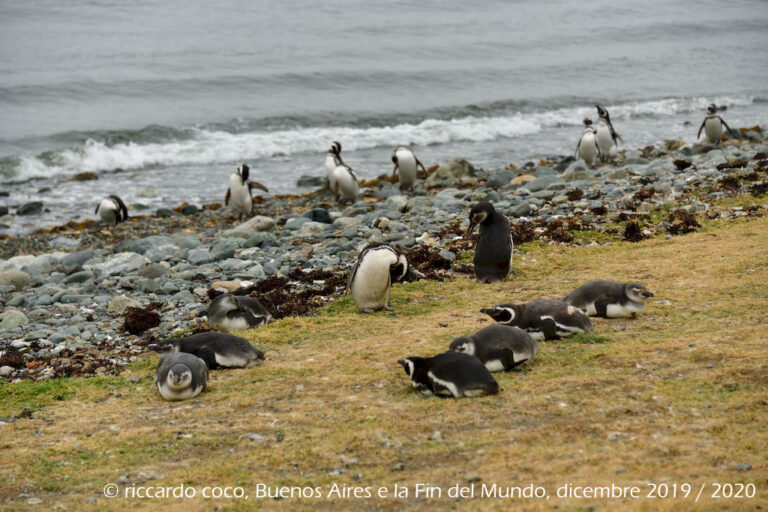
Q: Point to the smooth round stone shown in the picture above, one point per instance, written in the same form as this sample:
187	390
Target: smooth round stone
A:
164	212
78	277
319	215
17	300
12	319
44	300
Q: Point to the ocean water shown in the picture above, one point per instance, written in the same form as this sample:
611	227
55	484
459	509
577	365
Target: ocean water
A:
176	95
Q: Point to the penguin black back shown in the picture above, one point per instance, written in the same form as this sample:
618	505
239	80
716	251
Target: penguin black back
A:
216	349
450	374
493	250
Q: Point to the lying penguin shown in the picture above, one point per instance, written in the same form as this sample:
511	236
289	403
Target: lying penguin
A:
493	250
181	376
376	268
229	312
498	347
216	349
609	299
544	319
451	374
112	210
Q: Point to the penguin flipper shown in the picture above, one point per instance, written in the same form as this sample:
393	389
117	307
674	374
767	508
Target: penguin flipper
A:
226	198
601	308
701	127
509	360
725	124
549	328
256	184
418	162
252	319
578	146
394	171
122	211
208	356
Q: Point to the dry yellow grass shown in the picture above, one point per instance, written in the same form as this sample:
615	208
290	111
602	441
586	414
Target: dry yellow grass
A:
676	396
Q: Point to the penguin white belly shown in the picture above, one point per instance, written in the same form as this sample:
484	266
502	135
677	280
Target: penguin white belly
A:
107	211
473	392
330	167
562	329
406	163
370	287
171	394
234	324
494	366
232	361
537	335
623	311
348	186
604	140
588	149
714	129
240	196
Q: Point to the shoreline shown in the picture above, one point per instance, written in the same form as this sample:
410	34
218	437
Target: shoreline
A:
65	289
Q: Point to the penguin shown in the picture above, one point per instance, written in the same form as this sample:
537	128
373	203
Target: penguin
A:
713	125
229	312
498	347
544	319
216	349
376	268
346	186
493	250
181	376
112	210
332	159
450	374
606	137
239	191
587	148
609	299
405	160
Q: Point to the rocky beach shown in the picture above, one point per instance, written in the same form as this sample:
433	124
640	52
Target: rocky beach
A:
84	298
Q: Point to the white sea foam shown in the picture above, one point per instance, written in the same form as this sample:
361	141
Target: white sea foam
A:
219	147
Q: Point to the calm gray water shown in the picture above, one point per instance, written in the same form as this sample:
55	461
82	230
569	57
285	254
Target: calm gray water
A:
179	93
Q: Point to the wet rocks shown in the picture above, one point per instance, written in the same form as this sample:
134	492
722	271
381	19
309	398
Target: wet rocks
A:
18	279
137	320
251	226
12	318
30	208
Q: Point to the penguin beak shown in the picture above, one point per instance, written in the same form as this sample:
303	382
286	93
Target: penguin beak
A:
487	311
647	294
470	229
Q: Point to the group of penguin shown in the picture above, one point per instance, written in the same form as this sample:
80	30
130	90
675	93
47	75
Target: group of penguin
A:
463	371
601	142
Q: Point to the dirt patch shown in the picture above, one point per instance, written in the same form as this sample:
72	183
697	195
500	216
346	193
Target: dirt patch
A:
682	165
759	189
430	263
633	232
523	233
575	194
733	164
681	222
729	183
13	358
138	320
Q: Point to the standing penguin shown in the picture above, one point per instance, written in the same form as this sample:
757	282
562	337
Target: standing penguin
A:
450	374
606	137
587	148
229	312
609	299
181	376
239	191
405	160
112	210
713	125
216	349
498	347
346	186
493	250
376	268
544	319
332	159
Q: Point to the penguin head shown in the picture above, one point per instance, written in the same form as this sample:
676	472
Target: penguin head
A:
463	344
335	147
636	292
601	111
400	269
411	364
505	314
394	158
227	302
165	346
712	109
243	171
179	376
587	121
481	213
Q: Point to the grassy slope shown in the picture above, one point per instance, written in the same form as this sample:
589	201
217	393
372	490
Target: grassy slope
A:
678	395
